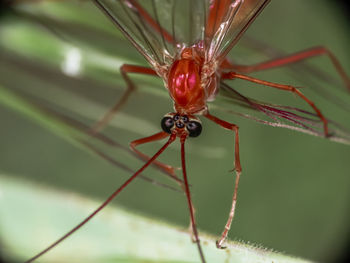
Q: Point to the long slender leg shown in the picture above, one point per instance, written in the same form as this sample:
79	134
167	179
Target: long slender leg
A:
188	195
290	59
107	201
234	75
168	169
238	170
124	70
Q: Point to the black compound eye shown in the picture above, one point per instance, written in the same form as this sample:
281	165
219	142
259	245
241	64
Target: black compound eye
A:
167	124
194	128
176	117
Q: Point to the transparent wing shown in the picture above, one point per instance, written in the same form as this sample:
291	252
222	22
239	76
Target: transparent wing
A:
158	28
227	22
290	117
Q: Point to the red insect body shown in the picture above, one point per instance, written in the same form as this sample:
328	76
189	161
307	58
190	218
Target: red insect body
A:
193	73
187	86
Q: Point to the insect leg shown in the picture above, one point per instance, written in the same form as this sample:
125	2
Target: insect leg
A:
238	170
234	75
124	70
290	59
168	169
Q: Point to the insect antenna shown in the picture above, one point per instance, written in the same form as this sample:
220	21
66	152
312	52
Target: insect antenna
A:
189	201
171	139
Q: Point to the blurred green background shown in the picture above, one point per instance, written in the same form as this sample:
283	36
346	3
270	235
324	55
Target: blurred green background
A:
293	195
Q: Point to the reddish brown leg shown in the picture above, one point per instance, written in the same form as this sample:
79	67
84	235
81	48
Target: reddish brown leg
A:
124	70
189	201
108	200
290	59
238	170
234	75
168	169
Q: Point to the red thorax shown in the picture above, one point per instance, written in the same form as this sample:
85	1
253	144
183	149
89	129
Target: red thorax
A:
189	85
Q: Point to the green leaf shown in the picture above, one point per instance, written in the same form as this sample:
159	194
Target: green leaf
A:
115	235
294	191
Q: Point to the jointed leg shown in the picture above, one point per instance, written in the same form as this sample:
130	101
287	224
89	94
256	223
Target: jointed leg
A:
233	75
124	70
238	170
290	59
168	169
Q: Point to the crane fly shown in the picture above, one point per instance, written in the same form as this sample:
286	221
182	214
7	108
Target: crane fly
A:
193	65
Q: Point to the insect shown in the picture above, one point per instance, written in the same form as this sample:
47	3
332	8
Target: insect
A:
200	66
